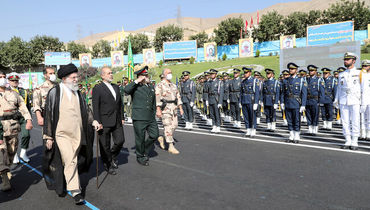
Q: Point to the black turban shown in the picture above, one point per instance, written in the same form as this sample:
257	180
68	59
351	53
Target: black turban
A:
67	70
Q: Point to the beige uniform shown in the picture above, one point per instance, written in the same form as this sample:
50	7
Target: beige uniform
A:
169	92
11	104
40	94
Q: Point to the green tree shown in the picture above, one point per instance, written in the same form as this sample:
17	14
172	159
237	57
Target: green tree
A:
138	43
228	31
201	38
348	10
314	17
3	58
76	49
168	33
270	27
17	54
295	23
101	49
42	44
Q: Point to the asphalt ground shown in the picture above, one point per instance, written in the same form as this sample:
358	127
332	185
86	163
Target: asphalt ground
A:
214	171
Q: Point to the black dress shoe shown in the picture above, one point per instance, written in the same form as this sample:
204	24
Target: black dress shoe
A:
143	162
111	171
114	163
79	200
344	147
295	141
287	141
353	148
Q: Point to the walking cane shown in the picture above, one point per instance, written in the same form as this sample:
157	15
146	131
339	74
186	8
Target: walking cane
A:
97	159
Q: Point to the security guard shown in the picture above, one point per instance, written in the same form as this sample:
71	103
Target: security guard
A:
293	101
235	106
188	99
226	99
314	94
270	95
205	92
285	75
214	96
126	98
249	98
365	99
143	114
329	84
348	98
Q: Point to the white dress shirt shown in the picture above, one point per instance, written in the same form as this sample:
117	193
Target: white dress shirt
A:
110	87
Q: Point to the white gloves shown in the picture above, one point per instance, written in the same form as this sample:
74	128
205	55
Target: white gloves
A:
363	108
128	103
95	124
336	104
255	106
282	106
207	104
191	104
276	106
219	106
302	109
228	101
240	105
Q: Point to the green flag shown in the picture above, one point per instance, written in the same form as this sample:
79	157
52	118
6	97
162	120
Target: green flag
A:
130	68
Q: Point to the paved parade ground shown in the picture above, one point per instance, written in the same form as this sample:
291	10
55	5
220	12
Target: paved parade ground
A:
214	171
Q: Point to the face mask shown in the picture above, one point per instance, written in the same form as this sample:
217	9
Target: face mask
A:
169	76
2	82
52	78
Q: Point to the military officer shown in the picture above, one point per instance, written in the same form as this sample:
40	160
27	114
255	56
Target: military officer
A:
365	99
143	114
199	90
329	84
270	98
286	75
127	102
12	109
214	96
226	99
337	112
293	101
257	75
168	102
303	74
188	91
234	92
205	92
348	98
40	93
249	98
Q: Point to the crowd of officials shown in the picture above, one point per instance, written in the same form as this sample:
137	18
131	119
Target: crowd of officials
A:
72	115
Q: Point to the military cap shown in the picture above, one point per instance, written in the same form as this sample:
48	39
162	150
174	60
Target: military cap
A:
341	69
312	68
142	71
125	78
225	74
366	63
66	70
213	71
349	55
161	76
302	71
257	73
285	72
186	73
336	72
236	70
13	76
247	68
326	70
206	73
292	66
269	71
219	76
318	73
201	77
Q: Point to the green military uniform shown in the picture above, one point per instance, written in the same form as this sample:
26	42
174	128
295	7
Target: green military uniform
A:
143	116
25	134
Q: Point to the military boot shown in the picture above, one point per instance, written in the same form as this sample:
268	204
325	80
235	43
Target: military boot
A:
172	149
161	142
5	182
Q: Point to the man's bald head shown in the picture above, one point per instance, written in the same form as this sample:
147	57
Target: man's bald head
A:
106	74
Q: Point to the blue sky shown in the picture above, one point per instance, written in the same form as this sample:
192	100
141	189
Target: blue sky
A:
27	18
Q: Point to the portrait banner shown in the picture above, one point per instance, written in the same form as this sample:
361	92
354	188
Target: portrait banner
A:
210	51
245	47
149	57
117	58
85	59
287	41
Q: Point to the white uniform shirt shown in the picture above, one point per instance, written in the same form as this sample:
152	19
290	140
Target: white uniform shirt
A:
349	87
365	87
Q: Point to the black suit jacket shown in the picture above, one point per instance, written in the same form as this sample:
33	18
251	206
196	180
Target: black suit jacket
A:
106	109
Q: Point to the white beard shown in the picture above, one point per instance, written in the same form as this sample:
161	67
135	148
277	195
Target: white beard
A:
71	85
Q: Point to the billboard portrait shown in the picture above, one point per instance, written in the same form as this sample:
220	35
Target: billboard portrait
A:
85	59
245	47
149	57
287	41
210	51
117	58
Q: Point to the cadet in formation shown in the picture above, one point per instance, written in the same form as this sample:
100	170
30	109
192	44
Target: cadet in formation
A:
285	75
188	91
234	97
329	84
206	82
270	98
199	95
258	76
293	101
226	100
365	100
214	97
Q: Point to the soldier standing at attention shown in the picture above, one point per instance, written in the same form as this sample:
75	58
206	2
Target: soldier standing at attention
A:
329	84
286	75
315	92
188	98
205	92
126	100
40	93
168	102
199	89
143	114
226	99
365	99
12	109
235	105
249	98
258	76
214	96
293	101
271	95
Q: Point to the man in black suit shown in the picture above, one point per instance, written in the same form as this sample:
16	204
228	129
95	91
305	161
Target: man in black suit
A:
108	112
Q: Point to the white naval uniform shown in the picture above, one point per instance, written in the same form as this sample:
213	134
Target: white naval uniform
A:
365	101
349	99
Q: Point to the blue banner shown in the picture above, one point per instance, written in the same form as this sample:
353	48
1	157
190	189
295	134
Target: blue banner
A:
330	33
57	58
179	50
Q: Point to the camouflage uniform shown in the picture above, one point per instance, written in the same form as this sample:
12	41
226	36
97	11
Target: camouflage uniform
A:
12	109
168	92
199	95
39	96
127	104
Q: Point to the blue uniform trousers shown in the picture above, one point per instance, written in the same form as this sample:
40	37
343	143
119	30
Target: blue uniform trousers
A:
312	114
249	116
327	112
215	114
235	111
188	112
294	119
270	114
